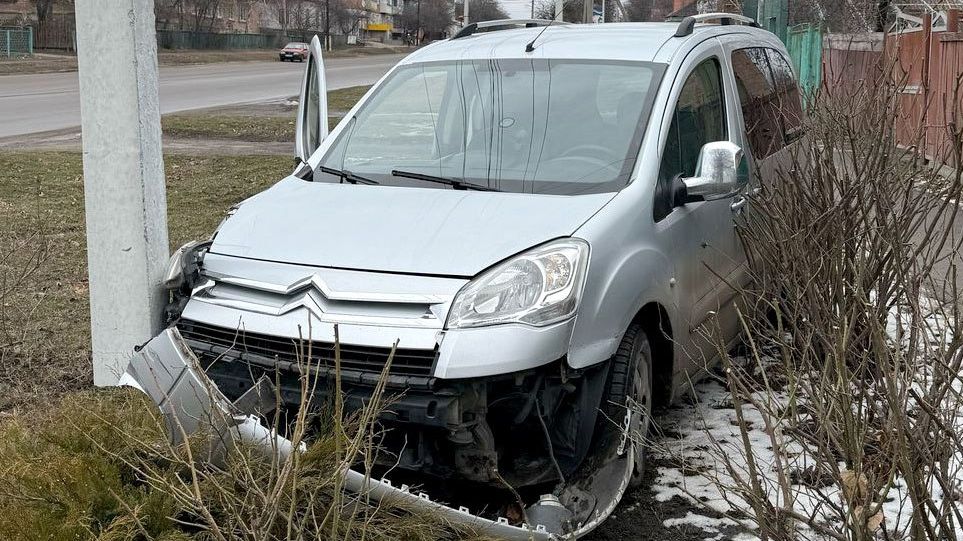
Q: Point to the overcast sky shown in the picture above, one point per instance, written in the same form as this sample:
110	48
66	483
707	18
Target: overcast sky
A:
517	9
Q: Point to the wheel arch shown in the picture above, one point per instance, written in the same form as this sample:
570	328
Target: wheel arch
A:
654	319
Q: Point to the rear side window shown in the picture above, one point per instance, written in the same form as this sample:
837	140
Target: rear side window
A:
699	118
759	100
787	90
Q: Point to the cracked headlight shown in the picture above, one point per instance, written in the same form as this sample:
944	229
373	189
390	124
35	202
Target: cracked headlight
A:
539	287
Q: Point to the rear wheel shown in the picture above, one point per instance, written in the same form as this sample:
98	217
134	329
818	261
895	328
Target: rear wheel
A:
630	390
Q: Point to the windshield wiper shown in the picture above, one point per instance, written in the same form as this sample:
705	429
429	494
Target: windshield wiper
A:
346	175
453	182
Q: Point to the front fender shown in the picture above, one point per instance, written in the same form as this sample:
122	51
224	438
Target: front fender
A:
613	297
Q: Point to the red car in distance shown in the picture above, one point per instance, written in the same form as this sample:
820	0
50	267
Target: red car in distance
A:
294	51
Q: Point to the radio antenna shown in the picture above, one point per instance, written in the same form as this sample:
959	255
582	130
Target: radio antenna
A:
531	44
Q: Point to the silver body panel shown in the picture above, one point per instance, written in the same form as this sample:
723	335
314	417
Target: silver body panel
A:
438	232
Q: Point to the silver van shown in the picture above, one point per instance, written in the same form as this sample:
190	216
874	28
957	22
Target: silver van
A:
537	218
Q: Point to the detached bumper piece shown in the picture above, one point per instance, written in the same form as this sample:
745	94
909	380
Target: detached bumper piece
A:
168	371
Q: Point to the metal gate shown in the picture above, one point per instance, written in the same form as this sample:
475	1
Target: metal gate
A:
16	41
805	45
773	15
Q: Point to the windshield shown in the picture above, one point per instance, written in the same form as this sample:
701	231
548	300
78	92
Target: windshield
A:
295	46
531	126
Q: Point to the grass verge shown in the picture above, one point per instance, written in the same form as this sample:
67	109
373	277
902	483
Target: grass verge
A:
44	323
53	63
265	124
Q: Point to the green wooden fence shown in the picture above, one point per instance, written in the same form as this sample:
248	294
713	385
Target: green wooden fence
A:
805	45
183	39
803	41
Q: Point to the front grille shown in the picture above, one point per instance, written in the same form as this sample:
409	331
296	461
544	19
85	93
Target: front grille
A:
405	362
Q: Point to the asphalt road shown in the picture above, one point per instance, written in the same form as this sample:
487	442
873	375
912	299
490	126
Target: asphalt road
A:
51	101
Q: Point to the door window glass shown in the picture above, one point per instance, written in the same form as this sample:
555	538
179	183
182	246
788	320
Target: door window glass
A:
312	110
759	100
699	118
787	91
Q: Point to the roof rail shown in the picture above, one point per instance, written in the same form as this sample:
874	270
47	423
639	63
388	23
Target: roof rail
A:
471	28
688	23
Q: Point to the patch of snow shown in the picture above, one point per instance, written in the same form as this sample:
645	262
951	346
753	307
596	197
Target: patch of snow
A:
699	521
705	452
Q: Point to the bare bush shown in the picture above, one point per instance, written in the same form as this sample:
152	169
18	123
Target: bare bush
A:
102	466
848	402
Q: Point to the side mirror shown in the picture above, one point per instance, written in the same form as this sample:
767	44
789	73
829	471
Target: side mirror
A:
721	173
312	121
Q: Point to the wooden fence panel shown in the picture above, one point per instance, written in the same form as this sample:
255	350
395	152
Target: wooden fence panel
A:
57	31
928	73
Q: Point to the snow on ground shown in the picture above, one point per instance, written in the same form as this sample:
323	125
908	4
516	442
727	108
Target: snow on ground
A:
702	434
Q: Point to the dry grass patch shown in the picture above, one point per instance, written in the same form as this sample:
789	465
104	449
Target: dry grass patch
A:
44	321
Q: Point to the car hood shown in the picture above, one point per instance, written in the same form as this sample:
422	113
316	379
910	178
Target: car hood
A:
394	229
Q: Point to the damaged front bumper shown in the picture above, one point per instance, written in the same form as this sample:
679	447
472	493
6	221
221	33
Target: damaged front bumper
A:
167	370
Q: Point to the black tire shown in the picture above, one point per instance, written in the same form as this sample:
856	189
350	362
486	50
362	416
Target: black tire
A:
630	376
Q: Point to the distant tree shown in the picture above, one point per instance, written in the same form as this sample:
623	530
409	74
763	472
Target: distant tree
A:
433	17
482	10
638	10
346	15
278	9
571	10
846	16
45	8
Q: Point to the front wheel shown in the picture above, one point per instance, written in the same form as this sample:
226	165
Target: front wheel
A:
630	390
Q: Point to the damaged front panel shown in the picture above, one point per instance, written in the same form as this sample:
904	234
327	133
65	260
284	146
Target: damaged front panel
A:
481	422
166	370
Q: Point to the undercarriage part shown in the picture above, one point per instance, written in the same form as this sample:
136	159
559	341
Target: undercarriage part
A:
462	441
446	429
548	510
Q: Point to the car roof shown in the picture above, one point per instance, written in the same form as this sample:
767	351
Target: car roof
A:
643	42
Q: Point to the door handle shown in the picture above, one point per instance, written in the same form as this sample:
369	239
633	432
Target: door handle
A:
738	204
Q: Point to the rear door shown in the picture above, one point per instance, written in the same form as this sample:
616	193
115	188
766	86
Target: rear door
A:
770	111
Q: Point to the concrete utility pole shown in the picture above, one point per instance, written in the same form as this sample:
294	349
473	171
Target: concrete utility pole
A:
587	8
560	10
124	192
464	21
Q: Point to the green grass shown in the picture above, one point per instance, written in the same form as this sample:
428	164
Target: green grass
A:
339	101
233	127
258	128
44	323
